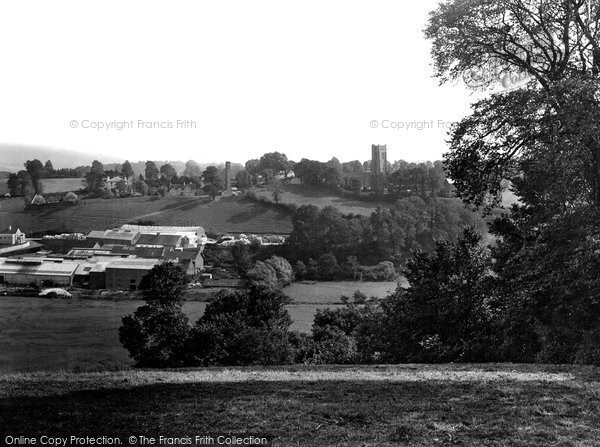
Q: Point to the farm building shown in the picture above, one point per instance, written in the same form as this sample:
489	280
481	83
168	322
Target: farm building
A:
103	237
151	252
195	234
91	274
12	236
126	274
36	270
190	260
165	240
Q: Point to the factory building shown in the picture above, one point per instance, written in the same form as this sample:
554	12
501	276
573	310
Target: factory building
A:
36	270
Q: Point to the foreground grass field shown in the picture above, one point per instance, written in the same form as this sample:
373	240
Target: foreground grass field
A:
416	405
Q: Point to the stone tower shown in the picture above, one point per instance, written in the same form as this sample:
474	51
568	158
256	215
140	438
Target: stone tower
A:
227	191
228	176
378	159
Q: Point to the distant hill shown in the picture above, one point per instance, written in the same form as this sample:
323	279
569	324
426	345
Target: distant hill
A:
13	156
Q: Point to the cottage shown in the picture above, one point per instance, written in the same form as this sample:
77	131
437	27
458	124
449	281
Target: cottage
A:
190	260
12	236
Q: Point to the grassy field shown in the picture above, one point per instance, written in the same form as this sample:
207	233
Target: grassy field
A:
330	292
308	195
52	185
408	405
227	215
49	334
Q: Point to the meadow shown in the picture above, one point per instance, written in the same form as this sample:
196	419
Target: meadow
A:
307	195
235	214
55	185
330	292
408	405
52	334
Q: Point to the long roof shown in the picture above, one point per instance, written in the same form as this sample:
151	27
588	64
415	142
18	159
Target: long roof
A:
159	239
38	268
111	234
134	263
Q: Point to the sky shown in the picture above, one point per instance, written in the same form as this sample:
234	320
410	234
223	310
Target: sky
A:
224	80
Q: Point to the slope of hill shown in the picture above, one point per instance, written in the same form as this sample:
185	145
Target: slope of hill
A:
15	155
416	405
233	214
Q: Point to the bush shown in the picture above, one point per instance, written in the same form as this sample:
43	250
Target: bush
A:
248	327
447	314
300	270
384	271
275	272
283	270
347	335
156	336
263	274
332	346
71	197
328	267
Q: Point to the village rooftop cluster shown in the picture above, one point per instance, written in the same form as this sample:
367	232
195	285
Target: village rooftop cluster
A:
114	259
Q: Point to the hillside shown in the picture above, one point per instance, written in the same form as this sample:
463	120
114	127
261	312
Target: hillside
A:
417	405
15	155
226	215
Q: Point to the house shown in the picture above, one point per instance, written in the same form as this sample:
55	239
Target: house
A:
190	260
110	183
36	270
116	237
12	236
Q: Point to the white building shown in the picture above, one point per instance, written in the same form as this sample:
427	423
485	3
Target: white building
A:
12	236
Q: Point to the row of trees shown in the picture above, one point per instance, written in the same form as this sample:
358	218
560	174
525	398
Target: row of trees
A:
28	181
387	235
159	179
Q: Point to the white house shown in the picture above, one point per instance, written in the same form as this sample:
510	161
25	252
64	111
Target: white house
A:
12	236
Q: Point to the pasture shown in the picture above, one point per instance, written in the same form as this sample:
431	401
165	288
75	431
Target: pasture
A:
52	334
307	195
56	185
235	214
409	405
330	292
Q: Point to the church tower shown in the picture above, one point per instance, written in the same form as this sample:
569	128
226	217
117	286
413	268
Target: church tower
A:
378	159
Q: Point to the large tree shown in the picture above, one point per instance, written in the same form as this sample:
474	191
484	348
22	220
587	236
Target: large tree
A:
516	134
543	138
192	169
93	179
167	172
276	162
127	170
151	171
